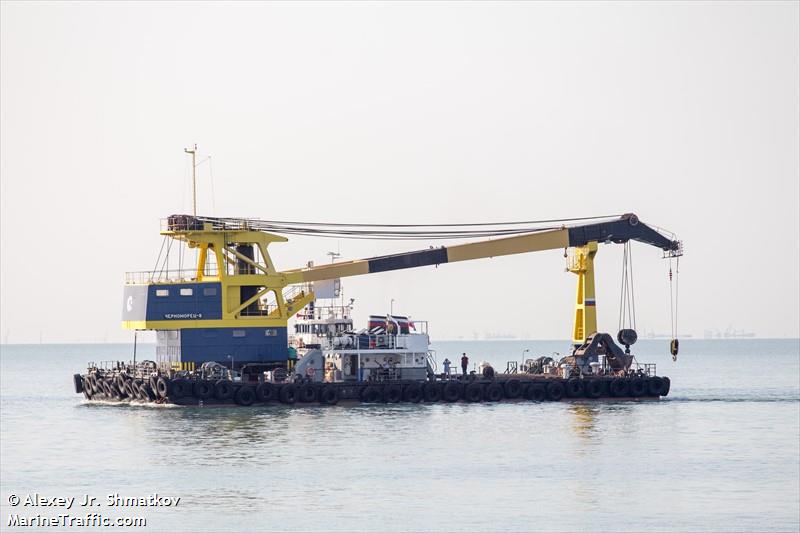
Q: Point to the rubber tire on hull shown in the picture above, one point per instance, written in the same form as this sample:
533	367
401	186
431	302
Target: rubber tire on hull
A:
536	392
669	384
451	392
203	389
119	381
96	388
555	391
512	388
593	388
266	392
77	380
412	393
432	392
139	394
638	387
91	380
655	386
154	383
329	395
619	387
287	393
119	392
371	394
87	390
116	394
129	389
162	387
101	387
394	393
473	392
136	386
574	388
223	390
307	393
494	392
147	392
180	388
245	396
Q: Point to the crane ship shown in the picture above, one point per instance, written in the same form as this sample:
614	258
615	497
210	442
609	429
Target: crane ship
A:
222	324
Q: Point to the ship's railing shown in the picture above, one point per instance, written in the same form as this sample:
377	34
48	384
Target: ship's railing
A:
362	341
107	366
262	310
387	373
645	369
366	341
191	223
294	292
167	276
140	369
420	326
604	369
326	312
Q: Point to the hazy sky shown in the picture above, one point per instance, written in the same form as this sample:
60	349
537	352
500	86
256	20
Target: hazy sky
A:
687	114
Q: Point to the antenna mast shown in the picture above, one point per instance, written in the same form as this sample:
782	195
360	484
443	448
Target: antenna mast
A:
193	151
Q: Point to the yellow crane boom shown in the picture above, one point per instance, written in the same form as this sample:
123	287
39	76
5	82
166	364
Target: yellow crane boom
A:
248	277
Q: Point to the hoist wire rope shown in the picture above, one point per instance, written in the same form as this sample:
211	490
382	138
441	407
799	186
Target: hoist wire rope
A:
673	297
627	301
677	268
622	287
361	225
453	234
348	232
402	231
671	303
165	263
158	259
630	277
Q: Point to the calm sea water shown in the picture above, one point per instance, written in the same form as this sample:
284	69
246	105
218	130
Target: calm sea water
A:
721	453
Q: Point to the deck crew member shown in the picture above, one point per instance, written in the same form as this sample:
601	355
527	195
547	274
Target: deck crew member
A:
464	363
446	364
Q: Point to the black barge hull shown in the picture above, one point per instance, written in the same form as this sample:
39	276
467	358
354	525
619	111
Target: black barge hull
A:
199	392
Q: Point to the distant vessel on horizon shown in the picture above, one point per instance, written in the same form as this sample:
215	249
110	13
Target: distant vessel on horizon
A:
499	336
729	333
653	335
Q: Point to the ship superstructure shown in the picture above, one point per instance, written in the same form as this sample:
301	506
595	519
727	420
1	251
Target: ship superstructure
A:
232	308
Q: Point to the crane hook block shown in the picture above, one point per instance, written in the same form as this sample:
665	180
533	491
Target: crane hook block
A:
627	337
673	347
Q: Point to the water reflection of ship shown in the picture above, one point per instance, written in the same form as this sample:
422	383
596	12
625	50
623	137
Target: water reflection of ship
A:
585	419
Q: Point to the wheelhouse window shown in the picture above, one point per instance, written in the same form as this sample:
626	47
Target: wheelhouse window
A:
186	292
162	292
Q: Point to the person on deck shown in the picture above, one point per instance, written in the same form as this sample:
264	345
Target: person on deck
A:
464	363
446	364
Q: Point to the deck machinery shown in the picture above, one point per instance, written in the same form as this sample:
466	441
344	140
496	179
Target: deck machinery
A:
221	327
